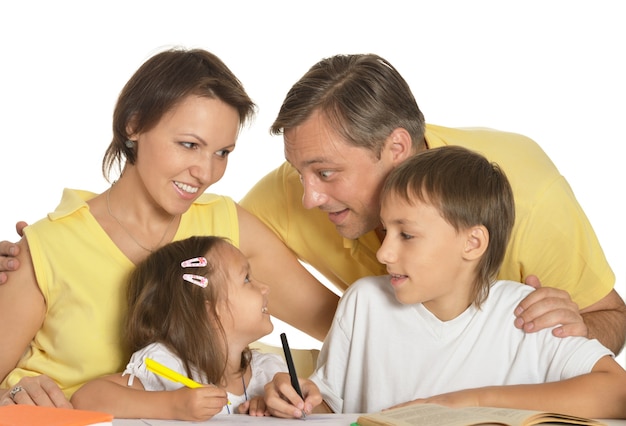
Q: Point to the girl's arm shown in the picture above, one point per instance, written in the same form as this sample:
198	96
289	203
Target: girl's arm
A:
111	394
296	296
600	394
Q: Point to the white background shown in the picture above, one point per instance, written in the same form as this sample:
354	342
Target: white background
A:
552	70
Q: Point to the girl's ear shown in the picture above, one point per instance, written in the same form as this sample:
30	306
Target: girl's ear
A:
476	243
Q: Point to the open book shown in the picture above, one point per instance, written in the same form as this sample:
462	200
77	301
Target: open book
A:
438	415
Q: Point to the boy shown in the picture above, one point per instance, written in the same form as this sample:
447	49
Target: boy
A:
439	328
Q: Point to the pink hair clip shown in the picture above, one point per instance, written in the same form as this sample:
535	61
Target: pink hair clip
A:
194	262
196	279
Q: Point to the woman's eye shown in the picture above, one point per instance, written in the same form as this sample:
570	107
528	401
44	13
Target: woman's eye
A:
189	145
223	153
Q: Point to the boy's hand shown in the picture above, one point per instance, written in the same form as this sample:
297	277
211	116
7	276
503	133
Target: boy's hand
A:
282	400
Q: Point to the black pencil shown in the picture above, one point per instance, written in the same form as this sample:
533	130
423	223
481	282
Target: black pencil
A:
292	368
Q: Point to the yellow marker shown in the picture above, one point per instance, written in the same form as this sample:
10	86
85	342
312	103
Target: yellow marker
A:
170	374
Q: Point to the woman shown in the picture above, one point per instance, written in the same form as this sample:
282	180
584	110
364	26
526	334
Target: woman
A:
175	123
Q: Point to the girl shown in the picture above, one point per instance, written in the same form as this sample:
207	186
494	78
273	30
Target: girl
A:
194	308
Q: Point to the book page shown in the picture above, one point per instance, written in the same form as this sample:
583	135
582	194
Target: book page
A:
437	415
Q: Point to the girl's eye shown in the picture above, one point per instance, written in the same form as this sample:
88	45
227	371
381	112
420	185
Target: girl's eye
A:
405	236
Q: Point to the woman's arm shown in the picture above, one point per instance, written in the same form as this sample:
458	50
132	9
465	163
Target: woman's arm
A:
296	296
111	394
22	311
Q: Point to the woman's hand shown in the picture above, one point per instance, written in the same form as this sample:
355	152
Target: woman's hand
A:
37	390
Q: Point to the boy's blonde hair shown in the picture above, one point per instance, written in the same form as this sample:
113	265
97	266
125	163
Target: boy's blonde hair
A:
467	190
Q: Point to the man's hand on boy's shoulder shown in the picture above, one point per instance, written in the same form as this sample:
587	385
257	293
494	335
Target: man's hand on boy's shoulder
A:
548	307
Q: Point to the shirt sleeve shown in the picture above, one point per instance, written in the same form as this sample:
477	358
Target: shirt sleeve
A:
136	368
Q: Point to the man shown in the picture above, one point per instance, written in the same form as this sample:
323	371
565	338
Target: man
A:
348	122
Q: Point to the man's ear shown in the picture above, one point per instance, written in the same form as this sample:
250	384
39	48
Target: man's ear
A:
399	145
476	243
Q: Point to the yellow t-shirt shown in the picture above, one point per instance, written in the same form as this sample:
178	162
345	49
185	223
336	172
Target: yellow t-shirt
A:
552	238
83	277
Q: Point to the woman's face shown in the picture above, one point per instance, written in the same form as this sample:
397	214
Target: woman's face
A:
186	152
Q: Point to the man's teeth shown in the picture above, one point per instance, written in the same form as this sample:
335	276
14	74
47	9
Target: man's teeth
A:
187	188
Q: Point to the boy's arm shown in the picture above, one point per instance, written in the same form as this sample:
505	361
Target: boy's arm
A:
111	394
600	394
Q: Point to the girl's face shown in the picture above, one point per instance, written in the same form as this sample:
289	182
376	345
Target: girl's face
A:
425	257
244	315
186	152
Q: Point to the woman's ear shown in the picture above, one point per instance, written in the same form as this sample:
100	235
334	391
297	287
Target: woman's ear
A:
131	125
476	243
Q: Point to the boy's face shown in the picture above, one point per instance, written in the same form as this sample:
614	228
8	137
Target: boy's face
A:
424	255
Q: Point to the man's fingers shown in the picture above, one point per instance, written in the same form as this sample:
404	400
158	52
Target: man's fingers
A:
533	281
19	227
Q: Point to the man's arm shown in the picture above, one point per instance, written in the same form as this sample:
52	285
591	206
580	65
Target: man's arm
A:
546	307
606	321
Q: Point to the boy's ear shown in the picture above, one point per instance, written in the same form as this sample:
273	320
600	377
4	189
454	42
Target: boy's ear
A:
476	243
399	145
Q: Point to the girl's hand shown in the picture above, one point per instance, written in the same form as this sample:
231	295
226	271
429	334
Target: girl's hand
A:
254	407
198	404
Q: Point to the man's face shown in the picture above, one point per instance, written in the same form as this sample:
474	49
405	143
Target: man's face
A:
338	178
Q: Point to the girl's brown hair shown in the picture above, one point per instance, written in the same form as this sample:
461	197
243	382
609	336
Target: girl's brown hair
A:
165	308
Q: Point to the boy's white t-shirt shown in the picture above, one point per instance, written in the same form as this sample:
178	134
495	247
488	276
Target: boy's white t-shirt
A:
263	365
379	352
